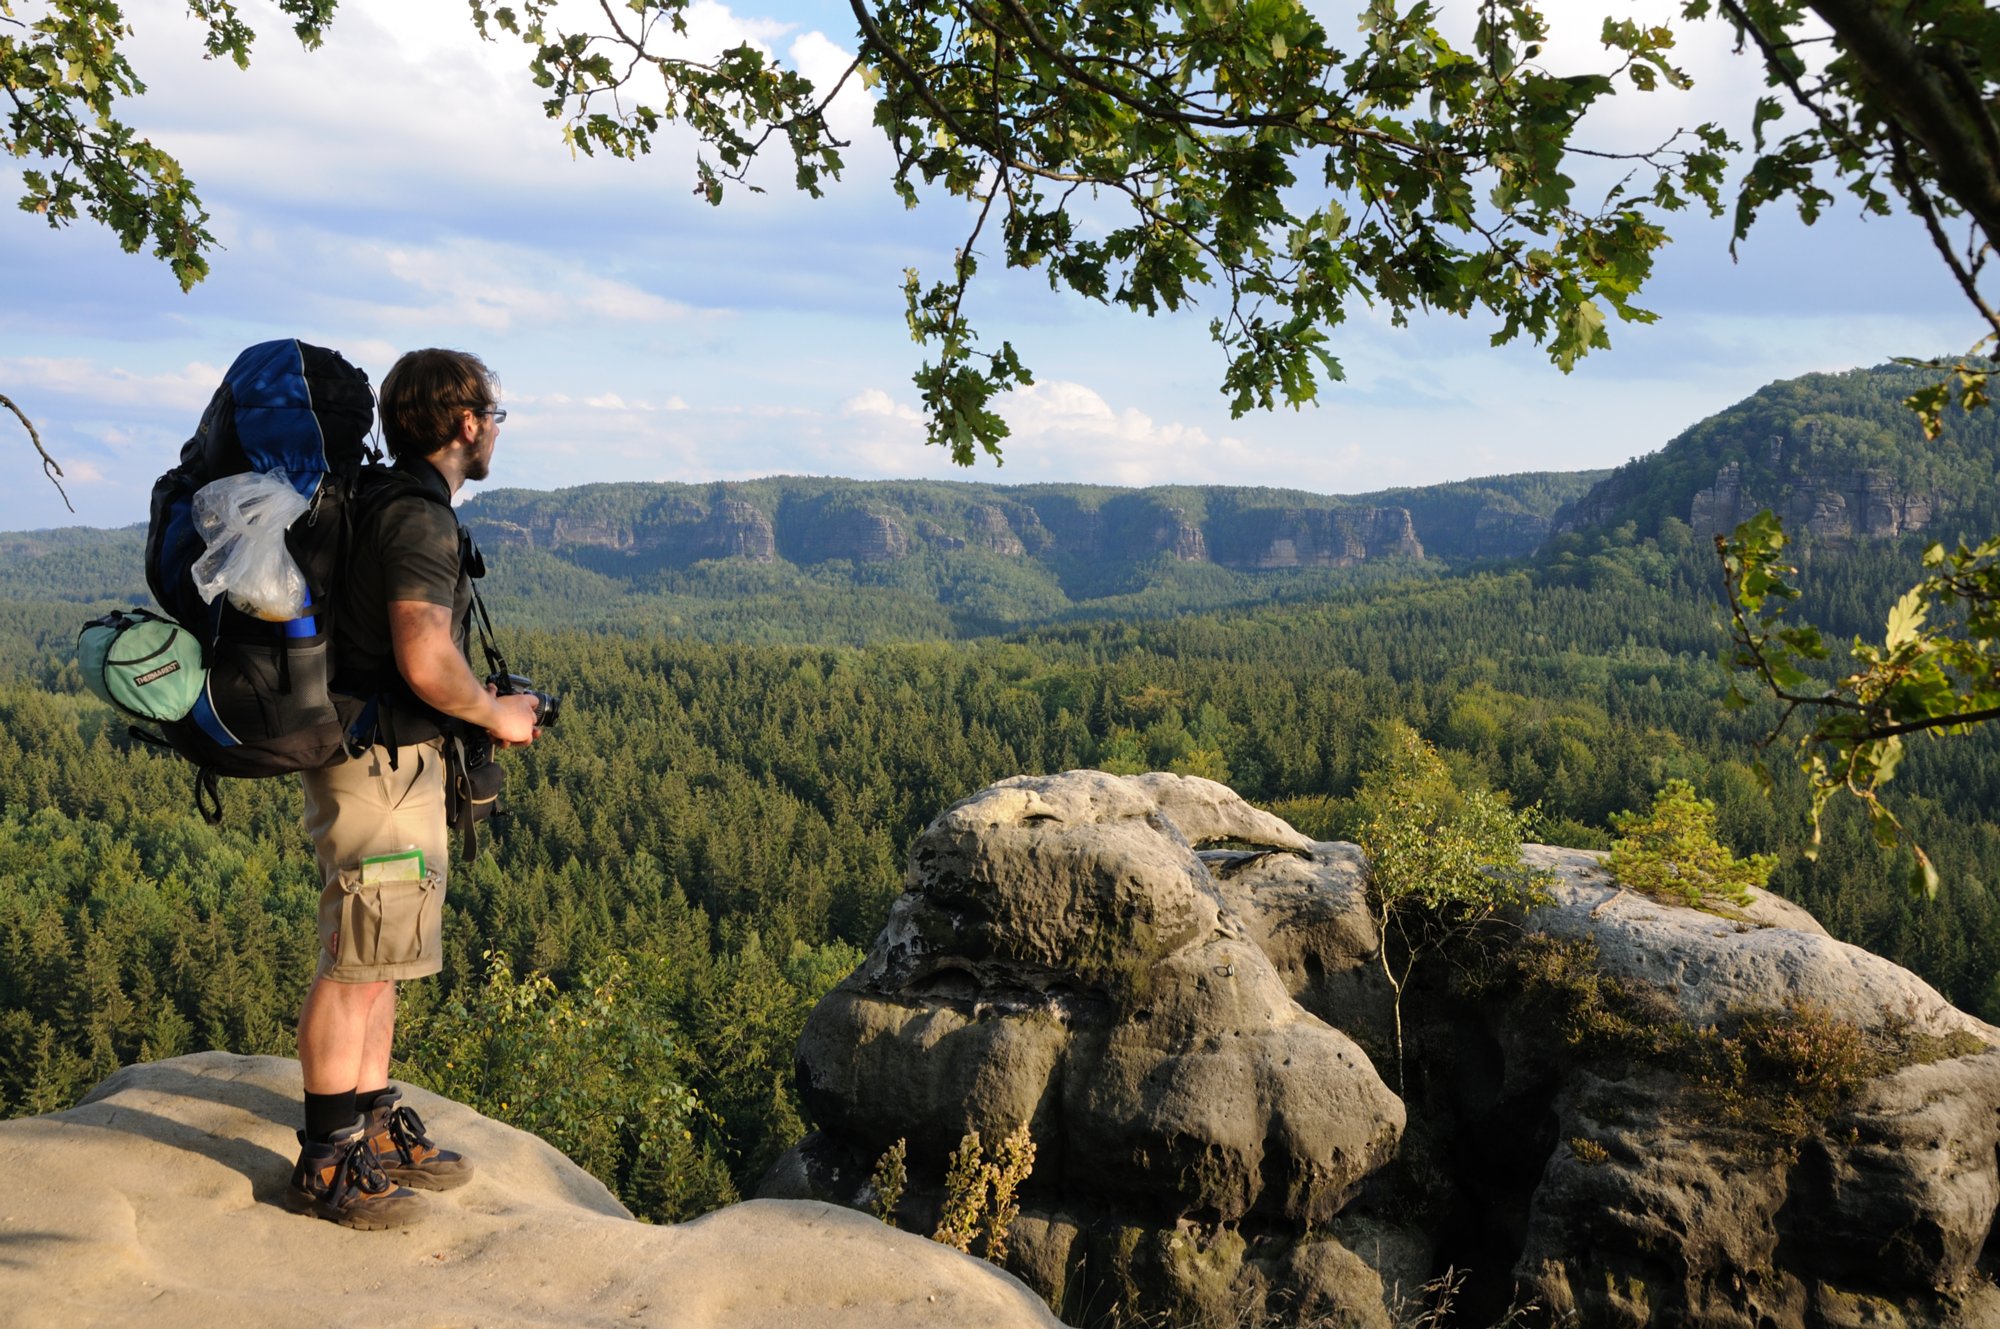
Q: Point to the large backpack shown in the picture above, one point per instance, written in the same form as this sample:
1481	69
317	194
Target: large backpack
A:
301	413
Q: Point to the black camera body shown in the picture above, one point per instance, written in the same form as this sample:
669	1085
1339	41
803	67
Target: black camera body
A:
549	704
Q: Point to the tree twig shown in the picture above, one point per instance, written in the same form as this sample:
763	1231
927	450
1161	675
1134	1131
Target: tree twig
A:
49	466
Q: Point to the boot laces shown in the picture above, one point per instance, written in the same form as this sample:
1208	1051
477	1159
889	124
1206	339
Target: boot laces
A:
406	1131
356	1171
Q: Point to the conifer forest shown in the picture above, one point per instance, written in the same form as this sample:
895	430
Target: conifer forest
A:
713	834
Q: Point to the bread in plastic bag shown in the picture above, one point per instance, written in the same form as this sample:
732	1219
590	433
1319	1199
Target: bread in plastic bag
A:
243	520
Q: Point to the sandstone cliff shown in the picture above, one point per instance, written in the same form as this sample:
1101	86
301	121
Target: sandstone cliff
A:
810	522
155	1202
1833	508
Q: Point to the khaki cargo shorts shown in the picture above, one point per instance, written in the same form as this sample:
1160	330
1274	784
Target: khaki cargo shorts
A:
360	809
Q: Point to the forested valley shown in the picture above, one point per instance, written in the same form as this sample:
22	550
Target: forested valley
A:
713	833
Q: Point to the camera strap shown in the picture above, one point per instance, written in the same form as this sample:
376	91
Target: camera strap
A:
496	663
474	564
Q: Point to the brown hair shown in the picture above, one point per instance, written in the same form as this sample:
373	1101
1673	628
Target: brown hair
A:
423	394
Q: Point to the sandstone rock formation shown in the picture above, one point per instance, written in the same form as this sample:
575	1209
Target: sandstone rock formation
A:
673	529
735	529
1192	1037
1715	965
1322	537
840	526
156	1202
1063	958
1648	1207
1834	507
990	530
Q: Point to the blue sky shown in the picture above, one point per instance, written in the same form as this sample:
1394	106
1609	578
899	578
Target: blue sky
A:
401	188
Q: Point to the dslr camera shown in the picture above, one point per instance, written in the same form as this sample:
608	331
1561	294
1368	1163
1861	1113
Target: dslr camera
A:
510	685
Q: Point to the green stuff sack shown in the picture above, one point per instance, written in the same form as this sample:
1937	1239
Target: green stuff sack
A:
143	664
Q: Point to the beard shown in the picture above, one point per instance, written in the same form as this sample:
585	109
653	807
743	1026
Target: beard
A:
480	464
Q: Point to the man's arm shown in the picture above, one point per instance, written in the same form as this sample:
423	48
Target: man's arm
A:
430	662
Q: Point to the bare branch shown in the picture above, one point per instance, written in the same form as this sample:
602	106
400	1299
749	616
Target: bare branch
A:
49	466
1931	722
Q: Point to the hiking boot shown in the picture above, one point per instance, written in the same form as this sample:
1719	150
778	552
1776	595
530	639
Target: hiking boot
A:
406	1154
341	1182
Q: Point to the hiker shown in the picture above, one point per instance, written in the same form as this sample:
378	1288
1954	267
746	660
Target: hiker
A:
378	819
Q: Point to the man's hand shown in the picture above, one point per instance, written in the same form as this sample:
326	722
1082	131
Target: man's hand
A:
515	717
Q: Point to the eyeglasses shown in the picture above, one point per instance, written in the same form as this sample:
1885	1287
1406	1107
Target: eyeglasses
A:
499	414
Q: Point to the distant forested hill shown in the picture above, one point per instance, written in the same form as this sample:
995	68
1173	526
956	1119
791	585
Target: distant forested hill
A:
1838	456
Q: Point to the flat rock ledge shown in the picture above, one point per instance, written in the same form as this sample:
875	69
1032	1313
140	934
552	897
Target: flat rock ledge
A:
158	1202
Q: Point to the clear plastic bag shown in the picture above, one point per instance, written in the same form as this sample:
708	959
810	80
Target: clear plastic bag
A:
243	519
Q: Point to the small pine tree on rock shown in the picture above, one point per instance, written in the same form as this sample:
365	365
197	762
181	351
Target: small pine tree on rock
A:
1670	852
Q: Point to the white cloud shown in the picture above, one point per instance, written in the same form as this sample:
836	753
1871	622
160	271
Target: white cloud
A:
184	390
1057	420
495	286
1059	430
875	402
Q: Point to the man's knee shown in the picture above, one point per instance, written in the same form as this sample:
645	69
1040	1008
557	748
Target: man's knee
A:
327	991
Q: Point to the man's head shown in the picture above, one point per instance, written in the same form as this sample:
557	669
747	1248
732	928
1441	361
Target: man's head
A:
434	398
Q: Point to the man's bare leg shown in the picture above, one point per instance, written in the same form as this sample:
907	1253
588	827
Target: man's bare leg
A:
345	1031
378	1040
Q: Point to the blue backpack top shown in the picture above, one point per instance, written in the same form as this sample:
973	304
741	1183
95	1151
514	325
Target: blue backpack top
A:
287	409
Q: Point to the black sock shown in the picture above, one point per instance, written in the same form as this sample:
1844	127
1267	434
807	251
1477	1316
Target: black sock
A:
367	1100
327	1114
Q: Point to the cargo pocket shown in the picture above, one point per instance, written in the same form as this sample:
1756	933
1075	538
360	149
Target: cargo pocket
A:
382	924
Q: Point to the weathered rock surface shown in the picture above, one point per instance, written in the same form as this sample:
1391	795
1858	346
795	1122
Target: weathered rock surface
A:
1716	966
673	529
1173	1022
735	529
156	1202
818	529
989	529
1648	1212
1655	1206
1787	471
1063	957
